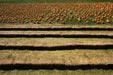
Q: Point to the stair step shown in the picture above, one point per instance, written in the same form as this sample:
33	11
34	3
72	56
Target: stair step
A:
51	42
65	34
56	27
70	57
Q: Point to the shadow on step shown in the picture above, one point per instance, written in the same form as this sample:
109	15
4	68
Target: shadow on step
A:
54	66
56	29
54	36
53	48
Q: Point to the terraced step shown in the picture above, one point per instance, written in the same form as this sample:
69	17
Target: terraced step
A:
55	43
66	34
72	57
55	46
56	27
57	72
52	26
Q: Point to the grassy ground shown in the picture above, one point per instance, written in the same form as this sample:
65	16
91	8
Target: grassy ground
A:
69	57
40	1
55	26
56	72
53	41
60	32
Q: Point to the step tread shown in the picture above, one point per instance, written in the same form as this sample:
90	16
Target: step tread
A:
54	26
52	42
56	32
74	57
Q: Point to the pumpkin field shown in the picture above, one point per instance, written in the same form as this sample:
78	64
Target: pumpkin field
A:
63	13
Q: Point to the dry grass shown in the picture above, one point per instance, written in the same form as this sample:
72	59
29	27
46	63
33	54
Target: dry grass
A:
56	72
70	57
55	26
53	41
59	32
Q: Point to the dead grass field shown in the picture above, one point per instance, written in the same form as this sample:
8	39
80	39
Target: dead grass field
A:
58	32
55	26
71	57
53	41
57	72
